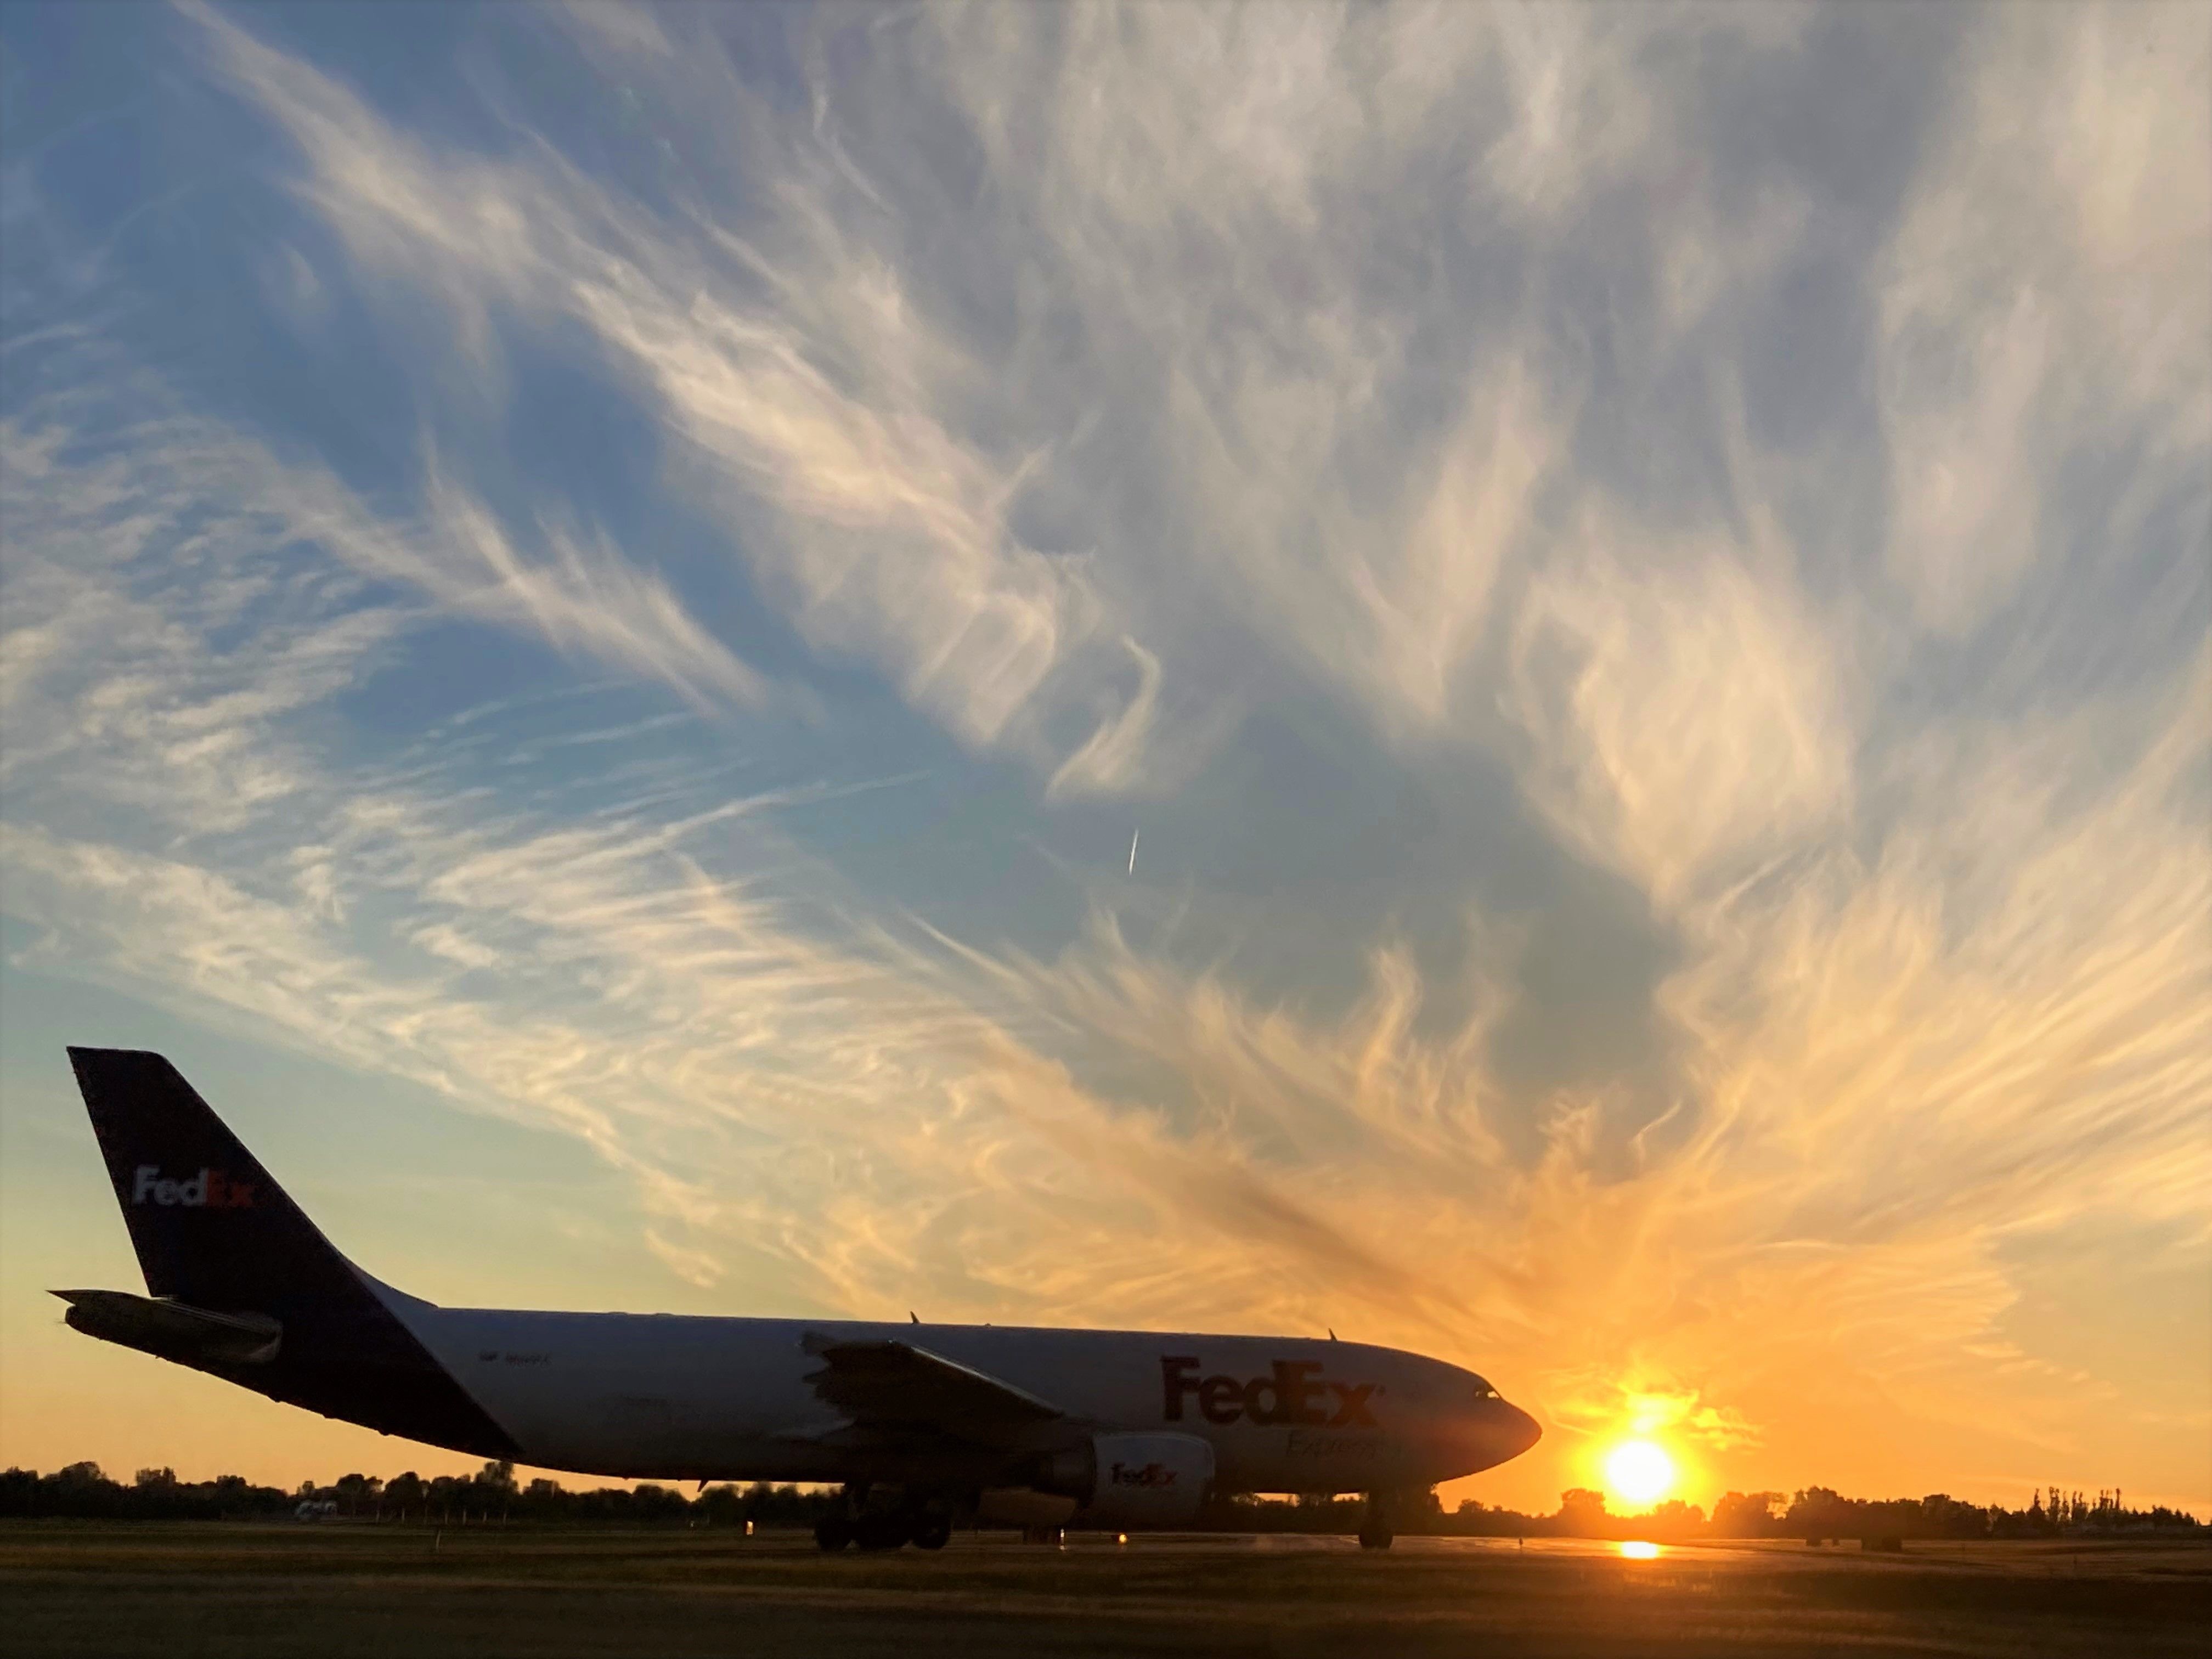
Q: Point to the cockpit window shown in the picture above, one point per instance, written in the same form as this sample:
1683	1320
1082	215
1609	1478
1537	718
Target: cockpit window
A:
1483	1391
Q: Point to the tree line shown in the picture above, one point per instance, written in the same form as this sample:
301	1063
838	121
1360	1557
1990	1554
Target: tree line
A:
492	1496
1820	1514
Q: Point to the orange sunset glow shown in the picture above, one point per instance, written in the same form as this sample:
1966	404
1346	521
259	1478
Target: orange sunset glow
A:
1639	1473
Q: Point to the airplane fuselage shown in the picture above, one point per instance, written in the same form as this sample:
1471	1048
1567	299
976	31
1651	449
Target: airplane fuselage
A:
680	1397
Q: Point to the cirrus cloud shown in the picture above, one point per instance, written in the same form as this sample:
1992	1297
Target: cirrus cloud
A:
1666	497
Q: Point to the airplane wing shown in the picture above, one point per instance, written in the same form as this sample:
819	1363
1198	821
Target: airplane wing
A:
897	1389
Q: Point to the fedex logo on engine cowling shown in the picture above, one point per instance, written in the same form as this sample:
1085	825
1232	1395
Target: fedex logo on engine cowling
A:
207	1189
1292	1393
1151	1476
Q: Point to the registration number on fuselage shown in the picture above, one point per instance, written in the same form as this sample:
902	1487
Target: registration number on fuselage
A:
1303	1442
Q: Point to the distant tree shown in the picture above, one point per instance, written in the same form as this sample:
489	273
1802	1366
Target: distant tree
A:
652	1503
1582	1513
718	1506
356	1493
498	1477
1942	1516
1746	1515
1672	1519
19	1492
1820	1512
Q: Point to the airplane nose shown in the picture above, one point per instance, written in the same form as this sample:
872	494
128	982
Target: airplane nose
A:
1494	1433
1522	1431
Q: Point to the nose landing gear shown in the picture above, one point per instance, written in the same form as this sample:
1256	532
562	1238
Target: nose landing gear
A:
887	1531
933	1530
1375	1532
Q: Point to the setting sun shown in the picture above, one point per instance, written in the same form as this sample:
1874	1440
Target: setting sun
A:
1639	1471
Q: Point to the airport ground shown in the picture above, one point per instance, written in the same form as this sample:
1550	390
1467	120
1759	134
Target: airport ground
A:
179	1590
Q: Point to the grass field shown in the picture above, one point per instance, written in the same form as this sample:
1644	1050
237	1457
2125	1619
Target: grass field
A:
334	1591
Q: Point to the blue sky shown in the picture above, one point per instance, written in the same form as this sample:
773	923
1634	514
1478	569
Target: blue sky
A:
594	598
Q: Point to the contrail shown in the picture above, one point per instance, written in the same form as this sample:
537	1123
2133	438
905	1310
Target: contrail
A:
1134	834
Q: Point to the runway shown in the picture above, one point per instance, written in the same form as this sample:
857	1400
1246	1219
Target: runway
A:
336	1590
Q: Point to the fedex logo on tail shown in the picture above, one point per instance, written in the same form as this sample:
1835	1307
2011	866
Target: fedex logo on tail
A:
209	1189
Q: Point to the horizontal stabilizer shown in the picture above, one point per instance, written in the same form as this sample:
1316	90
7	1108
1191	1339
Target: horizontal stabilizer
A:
173	1330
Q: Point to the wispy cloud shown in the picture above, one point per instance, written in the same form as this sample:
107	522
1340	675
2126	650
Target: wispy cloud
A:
2037	295
1683	723
1494	475
801	377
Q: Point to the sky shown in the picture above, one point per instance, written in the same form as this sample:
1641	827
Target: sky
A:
1533	682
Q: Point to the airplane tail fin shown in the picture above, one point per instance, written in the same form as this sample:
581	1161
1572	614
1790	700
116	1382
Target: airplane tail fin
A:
248	1286
209	1225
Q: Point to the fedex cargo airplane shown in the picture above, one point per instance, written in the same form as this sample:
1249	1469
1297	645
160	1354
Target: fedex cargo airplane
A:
919	1424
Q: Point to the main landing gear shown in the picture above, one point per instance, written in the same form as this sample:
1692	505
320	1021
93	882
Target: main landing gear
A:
1375	1532
924	1524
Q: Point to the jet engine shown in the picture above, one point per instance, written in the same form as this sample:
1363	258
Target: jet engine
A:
1134	1480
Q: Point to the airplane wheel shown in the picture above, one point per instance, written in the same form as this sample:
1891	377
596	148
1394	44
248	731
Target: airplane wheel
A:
833	1534
880	1532
1374	1537
932	1532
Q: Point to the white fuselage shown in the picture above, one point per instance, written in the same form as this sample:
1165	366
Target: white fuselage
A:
678	1397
